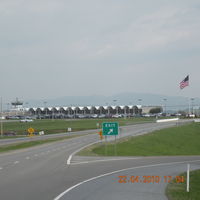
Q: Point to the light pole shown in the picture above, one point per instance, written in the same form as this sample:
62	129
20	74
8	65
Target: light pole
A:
108	109
45	107
8	109
192	100
140	100
165	111
1	118
114	101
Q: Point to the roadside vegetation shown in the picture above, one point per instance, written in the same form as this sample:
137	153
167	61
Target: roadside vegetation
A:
177	191
180	140
61	125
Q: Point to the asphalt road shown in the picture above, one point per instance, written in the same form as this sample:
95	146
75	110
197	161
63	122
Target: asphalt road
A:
42	172
42	137
144	180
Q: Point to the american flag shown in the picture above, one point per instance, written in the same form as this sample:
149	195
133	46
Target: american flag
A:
185	82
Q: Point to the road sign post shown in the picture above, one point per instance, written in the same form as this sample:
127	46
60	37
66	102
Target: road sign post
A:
110	128
31	131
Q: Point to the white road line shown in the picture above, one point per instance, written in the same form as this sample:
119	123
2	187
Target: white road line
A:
27	158
1	168
36	155
103	160
121	170
16	162
70	157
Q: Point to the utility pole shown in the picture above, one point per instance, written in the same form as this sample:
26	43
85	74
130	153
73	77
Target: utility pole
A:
1	119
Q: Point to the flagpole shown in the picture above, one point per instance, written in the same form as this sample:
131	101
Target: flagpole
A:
1	119
183	84
189	107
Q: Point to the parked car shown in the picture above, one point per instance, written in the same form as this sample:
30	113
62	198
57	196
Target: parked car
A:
117	116
9	133
94	116
102	116
26	120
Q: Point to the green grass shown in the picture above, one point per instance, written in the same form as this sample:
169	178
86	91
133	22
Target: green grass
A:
177	191
59	126
182	140
24	145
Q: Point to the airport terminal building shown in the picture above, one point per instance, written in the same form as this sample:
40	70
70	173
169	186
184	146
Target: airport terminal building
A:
89	111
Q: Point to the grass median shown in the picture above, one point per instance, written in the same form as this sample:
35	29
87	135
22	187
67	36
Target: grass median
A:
177	191
61	125
180	140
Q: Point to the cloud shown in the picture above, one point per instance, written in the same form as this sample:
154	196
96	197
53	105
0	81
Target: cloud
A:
153	32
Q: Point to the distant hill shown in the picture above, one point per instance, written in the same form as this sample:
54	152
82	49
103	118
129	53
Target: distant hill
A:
172	102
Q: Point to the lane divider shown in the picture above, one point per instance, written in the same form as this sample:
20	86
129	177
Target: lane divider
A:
71	155
103	160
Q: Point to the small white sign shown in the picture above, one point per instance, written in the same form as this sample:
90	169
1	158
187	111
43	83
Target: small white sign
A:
41	133
69	129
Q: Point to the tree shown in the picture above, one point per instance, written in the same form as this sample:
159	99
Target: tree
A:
155	110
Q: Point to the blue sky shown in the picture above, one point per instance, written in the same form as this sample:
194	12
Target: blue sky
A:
53	48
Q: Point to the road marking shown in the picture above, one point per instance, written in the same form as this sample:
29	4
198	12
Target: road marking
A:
16	162
71	155
36	155
121	170
1	168
103	160
27	158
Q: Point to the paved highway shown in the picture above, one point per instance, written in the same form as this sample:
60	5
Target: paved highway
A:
43	137
42	172
134	183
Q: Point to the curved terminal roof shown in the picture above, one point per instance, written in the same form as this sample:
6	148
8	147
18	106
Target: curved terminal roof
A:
83	108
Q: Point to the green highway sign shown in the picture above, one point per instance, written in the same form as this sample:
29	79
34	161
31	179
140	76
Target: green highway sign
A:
110	128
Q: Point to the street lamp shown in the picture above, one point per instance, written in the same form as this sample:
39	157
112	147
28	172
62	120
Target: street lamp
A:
1	117
140	100
45	106
192	100
114	101
165	111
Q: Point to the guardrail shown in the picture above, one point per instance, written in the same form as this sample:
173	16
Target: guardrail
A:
167	120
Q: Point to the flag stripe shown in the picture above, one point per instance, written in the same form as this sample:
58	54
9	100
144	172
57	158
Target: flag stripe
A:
184	83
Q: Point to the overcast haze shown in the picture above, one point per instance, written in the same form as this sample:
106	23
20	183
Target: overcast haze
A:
54	48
